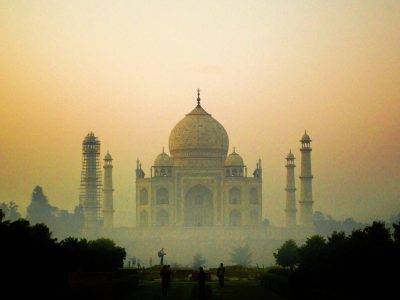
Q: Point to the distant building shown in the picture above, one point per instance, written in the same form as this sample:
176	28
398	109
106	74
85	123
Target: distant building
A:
91	185
199	184
196	195
108	199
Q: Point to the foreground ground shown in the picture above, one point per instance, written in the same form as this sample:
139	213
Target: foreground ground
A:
188	290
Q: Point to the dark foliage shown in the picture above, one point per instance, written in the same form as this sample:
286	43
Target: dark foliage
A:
10	211
35	264
287	255
99	255
326	225
357	265
61	222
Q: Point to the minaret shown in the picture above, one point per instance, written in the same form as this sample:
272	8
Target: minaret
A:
108	202
90	192
290	210
306	199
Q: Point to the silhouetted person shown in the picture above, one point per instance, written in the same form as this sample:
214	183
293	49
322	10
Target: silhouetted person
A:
221	275
161	255
165	276
202	283
169	273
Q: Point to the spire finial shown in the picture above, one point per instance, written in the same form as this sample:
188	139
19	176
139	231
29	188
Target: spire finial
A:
198	97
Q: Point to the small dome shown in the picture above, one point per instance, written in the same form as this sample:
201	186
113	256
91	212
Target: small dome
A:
108	156
305	137
290	155
234	159
163	160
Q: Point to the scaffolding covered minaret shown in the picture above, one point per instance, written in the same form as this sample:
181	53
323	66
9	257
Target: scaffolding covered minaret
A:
290	210
108	202
90	192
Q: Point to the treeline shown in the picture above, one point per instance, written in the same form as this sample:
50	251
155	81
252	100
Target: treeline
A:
356	265
326	225
61	222
36	264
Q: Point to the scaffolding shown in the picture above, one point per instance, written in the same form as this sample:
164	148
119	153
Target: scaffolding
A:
91	184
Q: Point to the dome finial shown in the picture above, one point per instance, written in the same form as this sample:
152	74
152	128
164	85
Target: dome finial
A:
163	149
198	97
234	149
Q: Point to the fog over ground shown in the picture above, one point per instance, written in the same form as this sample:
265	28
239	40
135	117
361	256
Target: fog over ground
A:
267	69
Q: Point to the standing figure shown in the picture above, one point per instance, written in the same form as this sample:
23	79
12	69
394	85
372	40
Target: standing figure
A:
221	275
201	277
164	274
161	255
169	273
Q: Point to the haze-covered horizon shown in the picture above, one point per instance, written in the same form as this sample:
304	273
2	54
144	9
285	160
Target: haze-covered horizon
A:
268	70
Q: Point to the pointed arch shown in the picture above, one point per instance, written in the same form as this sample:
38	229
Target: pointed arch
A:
235	195
235	218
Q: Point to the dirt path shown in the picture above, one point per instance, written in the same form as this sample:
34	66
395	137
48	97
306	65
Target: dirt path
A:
188	290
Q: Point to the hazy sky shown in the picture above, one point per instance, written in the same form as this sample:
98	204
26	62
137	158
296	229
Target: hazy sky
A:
128	70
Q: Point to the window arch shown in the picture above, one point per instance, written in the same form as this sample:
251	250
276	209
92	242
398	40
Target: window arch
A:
162	196
254	217
253	196
144	218
144	197
235	218
234	195
162	218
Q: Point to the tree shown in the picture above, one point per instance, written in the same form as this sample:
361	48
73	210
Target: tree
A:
396	233
39	210
287	255
378	234
241	256
38	196
98	255
10	211
198	261
311	252
35	260
2	215
106	254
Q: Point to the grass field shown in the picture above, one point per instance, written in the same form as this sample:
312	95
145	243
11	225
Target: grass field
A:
188	290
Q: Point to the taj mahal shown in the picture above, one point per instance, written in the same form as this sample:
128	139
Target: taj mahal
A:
198	194
199	184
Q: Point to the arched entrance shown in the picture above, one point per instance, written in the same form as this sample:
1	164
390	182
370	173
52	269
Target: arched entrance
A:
199	207
162	218
235	218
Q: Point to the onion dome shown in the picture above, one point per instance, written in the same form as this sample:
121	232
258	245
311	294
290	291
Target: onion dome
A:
198	135
234	160
163	160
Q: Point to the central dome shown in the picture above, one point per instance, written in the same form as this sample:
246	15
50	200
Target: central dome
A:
198	135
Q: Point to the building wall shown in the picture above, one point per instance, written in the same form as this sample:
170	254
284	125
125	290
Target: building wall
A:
247	211
248	207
